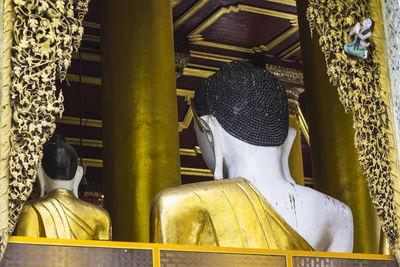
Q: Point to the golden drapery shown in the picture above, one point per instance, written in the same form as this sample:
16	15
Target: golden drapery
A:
60	214
363	91
226	213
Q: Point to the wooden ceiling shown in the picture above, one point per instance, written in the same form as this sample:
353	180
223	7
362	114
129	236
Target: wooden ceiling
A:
261	30
211	33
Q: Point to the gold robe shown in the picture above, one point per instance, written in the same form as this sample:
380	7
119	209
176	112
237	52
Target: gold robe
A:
60	214
227	213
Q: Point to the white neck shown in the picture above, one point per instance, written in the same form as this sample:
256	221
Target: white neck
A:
48	184
261	165
252	162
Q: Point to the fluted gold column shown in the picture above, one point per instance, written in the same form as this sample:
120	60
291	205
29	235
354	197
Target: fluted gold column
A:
336	169
139	111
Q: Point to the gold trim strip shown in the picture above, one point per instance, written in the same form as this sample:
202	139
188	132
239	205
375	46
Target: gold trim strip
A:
85	142
195	151
202	67
224	46
90	24
76	121
196	172
197	73
183	125
290	51
188	94
91	38
303	125
97	163
156	257
190	152
215	57
85	79
87	56
193	10
284	2
308	180
174	3
278	39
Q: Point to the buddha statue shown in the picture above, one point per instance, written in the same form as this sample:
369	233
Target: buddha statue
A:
59	213
242	128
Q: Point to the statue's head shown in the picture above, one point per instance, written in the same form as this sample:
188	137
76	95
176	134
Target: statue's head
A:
59	166
247	102
60	160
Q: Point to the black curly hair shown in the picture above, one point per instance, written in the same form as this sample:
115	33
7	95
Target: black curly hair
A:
249	102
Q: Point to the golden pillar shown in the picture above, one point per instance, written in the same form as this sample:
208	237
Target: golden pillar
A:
139	112
336	169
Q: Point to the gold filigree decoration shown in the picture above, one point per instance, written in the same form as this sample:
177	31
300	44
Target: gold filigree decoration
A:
361	93
46	32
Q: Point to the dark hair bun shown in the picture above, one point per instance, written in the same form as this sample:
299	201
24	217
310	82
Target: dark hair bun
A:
60	160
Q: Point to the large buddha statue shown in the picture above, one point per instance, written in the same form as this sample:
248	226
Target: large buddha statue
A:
59	213
242	128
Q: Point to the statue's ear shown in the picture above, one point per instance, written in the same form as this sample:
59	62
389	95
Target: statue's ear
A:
41	179
286	148
215	131
77	180
209	137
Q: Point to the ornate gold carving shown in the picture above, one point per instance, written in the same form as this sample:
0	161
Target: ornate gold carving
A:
361	89
193	10
196	37
286	75
181	61
45	35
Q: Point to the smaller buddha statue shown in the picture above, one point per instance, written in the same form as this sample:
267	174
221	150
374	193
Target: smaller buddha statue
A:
358	47
59	213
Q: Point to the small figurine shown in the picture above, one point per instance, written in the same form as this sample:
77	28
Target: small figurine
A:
358	47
